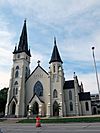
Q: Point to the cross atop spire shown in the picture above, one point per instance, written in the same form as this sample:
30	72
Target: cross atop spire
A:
55	54
23	43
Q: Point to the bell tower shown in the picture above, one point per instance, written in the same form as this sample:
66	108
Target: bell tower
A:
19	73
56	82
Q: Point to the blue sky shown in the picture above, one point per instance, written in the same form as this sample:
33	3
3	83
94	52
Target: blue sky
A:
76	25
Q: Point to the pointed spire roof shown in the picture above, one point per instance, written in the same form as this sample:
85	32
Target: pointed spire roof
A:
55	54
23	43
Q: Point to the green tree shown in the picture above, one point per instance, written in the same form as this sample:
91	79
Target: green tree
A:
3	99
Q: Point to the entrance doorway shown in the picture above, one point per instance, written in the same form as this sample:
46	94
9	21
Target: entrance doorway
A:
55	109
13	108
94	111
35	108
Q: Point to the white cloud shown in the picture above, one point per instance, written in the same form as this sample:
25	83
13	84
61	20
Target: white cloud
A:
89	82
2	2
76	50
81	32
47	12
4	79
80	49
35	57
6	37
96	44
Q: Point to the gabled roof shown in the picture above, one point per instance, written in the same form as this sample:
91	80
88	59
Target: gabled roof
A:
35	70
83	96
55	54
23	43
14	97
69	84
34	96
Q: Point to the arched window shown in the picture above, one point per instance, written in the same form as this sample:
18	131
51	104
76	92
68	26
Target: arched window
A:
87	106
15	91
71	106
70	95
17	67
38	89
16	74
55	95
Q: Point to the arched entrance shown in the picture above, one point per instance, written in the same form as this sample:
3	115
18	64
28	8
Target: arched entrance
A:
35	108
55	109
13	108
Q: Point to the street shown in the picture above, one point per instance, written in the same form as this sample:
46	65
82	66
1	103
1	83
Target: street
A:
51	128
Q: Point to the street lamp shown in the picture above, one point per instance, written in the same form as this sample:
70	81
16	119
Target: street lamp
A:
96	71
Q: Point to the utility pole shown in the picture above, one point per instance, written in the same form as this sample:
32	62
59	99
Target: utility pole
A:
96	71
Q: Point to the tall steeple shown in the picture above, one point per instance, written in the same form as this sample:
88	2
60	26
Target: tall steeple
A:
55	54
23	42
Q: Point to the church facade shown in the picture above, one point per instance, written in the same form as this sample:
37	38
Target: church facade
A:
40	92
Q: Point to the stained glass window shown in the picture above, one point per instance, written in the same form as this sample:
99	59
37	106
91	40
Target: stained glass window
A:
38	89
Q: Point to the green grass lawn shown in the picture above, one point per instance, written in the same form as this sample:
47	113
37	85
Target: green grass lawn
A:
62	120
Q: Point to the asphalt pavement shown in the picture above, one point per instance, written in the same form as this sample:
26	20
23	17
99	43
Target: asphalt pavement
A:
50	128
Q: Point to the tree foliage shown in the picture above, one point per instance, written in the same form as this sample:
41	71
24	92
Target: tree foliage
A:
3	99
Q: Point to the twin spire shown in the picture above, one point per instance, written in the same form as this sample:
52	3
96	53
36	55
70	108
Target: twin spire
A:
55	54
23	46
23	43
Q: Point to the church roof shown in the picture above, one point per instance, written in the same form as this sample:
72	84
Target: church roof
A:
23	42
38	98
84	96
55	54
69	84
35	70
14	97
